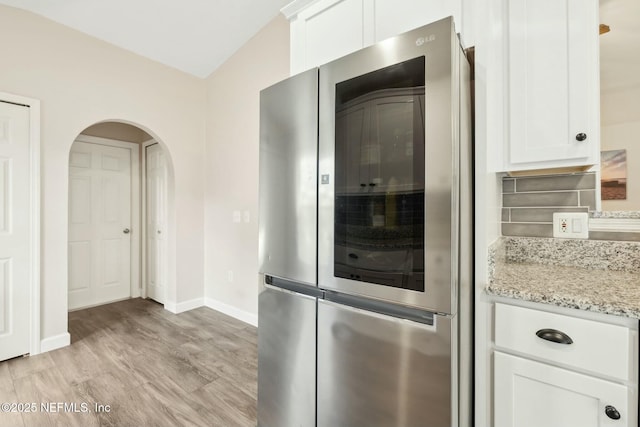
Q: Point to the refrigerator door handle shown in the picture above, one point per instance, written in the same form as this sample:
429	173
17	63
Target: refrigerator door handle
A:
287	291
432	328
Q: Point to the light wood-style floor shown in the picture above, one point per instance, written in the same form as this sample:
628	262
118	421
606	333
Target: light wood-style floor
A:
152	367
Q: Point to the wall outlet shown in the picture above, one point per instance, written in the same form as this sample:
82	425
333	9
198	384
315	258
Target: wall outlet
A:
237	216
571	225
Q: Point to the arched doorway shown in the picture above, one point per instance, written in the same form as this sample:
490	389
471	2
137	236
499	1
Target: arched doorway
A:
119	182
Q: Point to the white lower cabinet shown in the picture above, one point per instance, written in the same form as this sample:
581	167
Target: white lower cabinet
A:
551	369
534	394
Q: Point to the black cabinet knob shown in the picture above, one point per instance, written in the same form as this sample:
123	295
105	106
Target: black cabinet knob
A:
372	184
363	185
612	412
581	136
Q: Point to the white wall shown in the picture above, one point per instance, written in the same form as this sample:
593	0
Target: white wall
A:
620	116
80	81
624	136
231	170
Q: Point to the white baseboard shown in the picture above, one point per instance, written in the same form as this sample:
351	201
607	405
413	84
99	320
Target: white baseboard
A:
181	307
55	342
232	311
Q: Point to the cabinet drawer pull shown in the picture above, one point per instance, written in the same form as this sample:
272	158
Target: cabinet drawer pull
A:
554	335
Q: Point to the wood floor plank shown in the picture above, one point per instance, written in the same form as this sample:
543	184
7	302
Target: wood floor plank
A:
229	408
49	388
78	363
24	366
151	367
8	395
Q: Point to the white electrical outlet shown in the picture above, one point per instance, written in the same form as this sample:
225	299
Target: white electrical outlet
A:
571	225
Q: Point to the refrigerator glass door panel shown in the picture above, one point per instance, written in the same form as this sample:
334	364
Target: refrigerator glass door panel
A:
288	178
287	359
388	142
379	177
380	371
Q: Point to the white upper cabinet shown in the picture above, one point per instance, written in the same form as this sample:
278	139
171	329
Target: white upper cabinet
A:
552	89
393	17
324	30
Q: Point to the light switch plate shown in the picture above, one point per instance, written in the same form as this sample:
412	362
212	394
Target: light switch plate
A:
571	225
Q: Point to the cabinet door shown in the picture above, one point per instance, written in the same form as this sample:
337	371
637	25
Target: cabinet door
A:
352	164
325	31
393	17
328	29
397	132
532	394
552	83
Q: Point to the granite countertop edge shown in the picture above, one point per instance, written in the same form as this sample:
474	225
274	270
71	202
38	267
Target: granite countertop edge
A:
565	301
601	277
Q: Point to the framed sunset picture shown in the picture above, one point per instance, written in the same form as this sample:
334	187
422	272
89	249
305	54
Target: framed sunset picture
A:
613	174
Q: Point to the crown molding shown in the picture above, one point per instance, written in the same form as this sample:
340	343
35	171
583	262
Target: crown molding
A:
295	7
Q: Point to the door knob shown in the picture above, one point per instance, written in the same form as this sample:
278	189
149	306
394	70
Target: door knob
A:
581	136
126	231
612	412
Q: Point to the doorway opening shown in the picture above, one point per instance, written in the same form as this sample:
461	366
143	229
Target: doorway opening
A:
118	216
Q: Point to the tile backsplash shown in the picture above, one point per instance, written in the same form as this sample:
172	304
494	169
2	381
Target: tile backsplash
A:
528	202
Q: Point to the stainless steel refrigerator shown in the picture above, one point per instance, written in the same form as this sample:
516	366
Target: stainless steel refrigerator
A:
366	239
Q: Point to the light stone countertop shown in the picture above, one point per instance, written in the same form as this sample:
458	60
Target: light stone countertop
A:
601	276
603	291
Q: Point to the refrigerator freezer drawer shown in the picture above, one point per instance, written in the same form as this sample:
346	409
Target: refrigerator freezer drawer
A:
381	371
287	359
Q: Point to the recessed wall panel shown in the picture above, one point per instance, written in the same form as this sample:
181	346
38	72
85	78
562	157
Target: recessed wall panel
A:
80	160
5	297
80	199
153	259
110	163
111	264
5	195
5	130
110	199
79	265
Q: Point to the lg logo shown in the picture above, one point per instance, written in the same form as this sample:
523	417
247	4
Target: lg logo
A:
422	40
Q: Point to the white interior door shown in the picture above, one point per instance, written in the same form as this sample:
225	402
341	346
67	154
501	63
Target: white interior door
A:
156	178
15	210
99	224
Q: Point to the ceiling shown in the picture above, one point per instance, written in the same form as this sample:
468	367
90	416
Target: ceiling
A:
195	36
